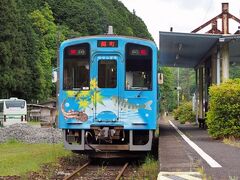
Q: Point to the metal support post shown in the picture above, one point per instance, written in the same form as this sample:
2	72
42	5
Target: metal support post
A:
218	67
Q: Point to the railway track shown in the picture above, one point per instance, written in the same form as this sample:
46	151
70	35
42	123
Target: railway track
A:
93	171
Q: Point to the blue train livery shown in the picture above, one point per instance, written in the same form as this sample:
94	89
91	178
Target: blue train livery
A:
108	98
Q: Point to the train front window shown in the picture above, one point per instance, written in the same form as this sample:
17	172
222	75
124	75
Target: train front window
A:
138	67
107	73
76	67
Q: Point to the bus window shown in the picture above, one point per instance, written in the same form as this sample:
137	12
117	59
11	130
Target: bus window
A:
107	74
15	104
1	107
138	67
76	73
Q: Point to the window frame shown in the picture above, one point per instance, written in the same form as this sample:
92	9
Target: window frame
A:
125	68
12	104
87	56
116	80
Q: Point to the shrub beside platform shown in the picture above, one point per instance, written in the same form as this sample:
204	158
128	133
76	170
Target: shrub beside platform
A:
184	113
223	117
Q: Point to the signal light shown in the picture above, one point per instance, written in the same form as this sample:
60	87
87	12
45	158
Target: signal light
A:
73	52
143	52
139	52
77	52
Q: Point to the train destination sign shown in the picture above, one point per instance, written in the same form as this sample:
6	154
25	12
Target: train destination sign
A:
107	43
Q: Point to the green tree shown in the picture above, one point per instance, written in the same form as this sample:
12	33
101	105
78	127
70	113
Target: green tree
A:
234	70
93	17
31	30
28	39
46	30
186	82
167	90
13	64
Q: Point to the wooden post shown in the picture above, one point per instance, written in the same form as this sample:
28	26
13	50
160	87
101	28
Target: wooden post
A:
225	62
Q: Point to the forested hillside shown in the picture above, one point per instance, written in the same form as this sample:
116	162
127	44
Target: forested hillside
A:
31	31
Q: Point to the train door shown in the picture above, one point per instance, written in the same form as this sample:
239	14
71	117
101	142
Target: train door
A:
105	80
139	96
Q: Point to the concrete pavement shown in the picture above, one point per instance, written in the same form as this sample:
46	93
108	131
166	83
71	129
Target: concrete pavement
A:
176	155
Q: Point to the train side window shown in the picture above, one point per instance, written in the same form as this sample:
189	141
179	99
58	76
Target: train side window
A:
76	67
138	67
107	74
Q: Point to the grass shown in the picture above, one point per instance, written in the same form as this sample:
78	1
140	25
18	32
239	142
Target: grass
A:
148	170
101	170
232	142
34	123
19	158
233	178
157	132
203	173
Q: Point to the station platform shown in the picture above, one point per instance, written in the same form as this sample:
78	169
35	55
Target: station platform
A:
176	162
188	152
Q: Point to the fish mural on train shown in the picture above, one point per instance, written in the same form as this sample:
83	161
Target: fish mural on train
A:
126	105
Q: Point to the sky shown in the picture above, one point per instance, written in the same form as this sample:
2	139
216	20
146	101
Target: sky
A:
182	15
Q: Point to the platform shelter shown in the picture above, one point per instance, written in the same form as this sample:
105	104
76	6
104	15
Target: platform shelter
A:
209	55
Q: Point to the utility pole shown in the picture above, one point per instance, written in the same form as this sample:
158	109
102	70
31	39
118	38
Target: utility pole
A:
178	88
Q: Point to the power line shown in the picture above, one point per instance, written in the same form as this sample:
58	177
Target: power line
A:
206	13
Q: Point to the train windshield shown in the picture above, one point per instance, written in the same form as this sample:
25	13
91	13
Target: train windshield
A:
107	73
138	67
76	67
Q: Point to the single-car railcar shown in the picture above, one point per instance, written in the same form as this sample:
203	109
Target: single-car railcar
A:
108	93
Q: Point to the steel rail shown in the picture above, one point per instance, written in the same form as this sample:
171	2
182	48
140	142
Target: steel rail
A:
122	171
77	171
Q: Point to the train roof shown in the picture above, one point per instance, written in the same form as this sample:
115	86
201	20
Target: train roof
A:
109	36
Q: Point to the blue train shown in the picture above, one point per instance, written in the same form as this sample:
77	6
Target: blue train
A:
108	93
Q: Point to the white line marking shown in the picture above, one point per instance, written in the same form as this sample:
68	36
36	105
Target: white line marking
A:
204	155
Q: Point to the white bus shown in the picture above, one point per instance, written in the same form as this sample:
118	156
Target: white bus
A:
12	111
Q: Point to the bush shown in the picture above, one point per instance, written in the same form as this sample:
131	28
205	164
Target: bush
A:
223	117
184	113
176	113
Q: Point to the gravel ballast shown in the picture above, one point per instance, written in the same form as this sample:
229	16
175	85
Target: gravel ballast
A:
30	134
